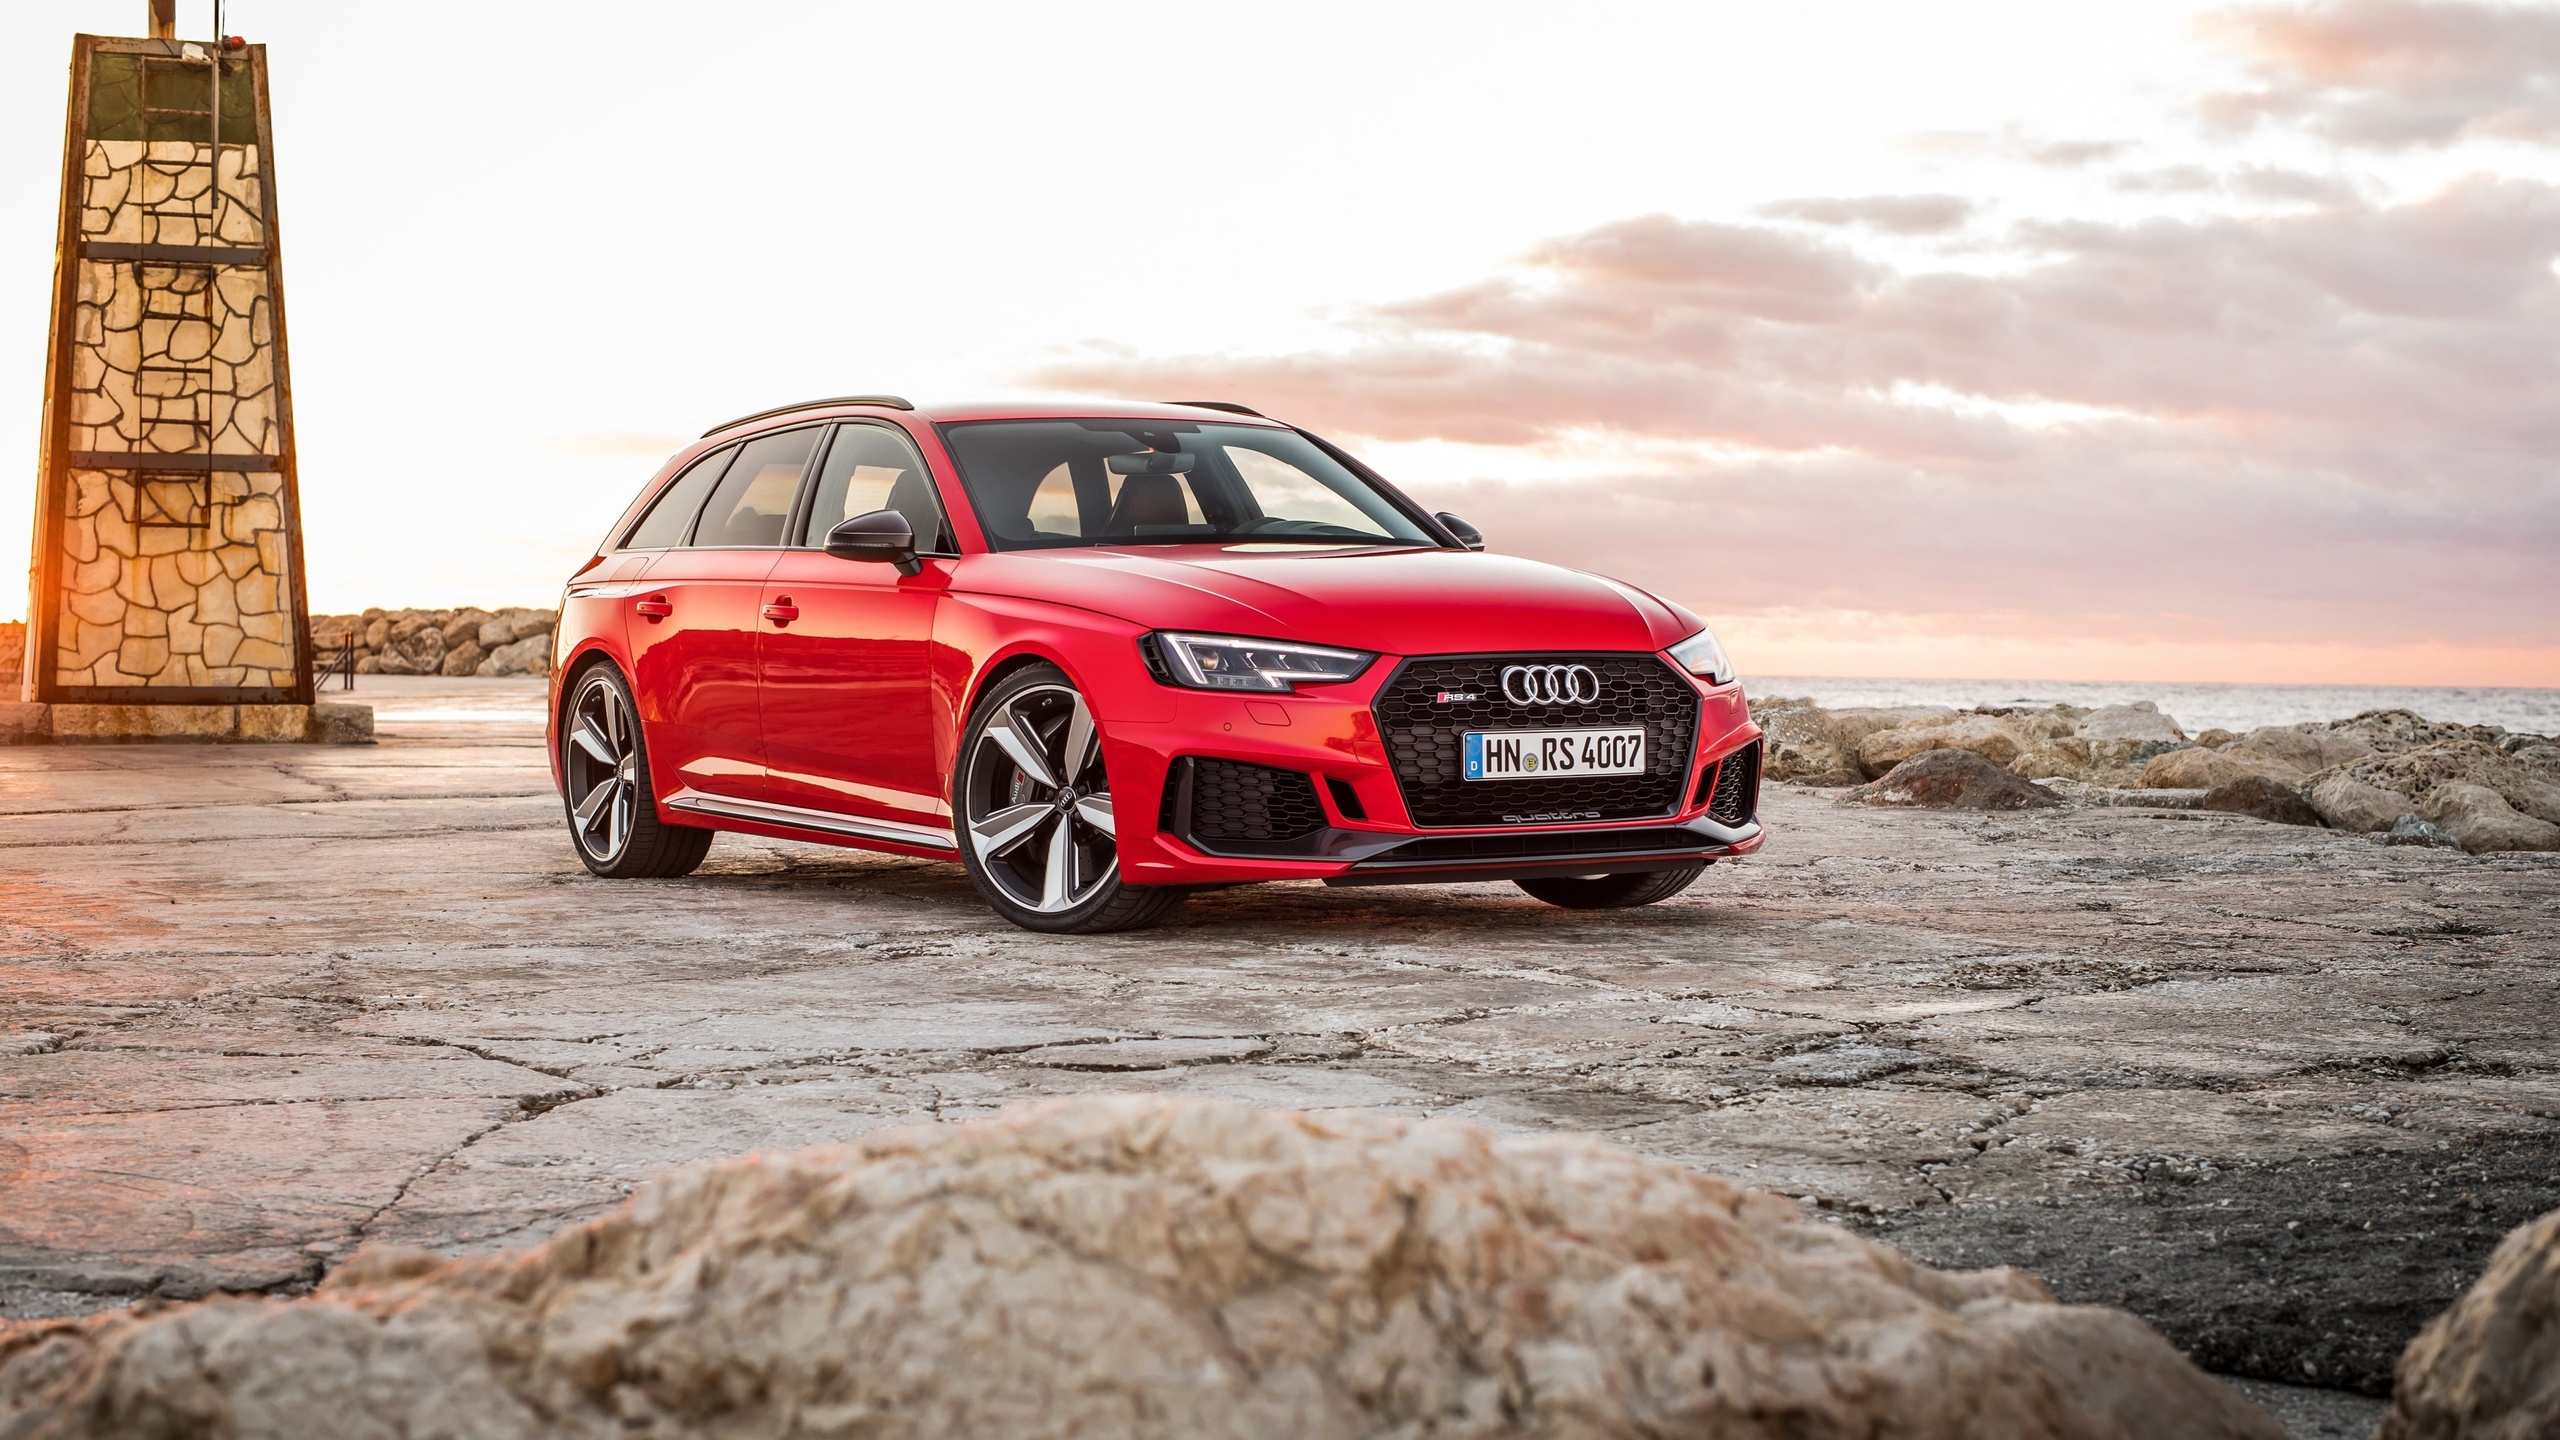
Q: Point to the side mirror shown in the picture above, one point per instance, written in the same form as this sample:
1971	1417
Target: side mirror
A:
882	535
1467	534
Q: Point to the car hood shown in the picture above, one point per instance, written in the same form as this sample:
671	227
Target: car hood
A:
1394	601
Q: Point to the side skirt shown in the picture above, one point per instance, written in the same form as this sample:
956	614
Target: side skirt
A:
827	822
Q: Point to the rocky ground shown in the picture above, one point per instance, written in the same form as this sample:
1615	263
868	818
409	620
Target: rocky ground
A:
2277	1089
2476	787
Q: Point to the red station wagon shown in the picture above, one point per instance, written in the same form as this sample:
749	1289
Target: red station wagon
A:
1107	654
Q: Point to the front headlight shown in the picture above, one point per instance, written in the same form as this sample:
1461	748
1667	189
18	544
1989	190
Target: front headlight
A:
1223	662
1700	655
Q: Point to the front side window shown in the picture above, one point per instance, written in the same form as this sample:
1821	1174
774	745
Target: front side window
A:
753	503
871	467
1048	484
671	519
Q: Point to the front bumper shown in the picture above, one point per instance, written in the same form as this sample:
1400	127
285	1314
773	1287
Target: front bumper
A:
1349	821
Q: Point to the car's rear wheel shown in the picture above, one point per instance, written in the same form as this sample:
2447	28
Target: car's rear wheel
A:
1613	892
1034	803
613	812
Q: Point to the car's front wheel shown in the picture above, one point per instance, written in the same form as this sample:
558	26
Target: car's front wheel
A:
1612	892
1034	804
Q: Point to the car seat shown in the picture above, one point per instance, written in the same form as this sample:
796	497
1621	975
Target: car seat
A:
1151	500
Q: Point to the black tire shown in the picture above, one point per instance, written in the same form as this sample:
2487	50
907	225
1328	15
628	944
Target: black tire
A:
1613	892
605	789
1012	817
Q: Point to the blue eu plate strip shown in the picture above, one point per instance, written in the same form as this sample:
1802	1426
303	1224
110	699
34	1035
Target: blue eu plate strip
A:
1475	757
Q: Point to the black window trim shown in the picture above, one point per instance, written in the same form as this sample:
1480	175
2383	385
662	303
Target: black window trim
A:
624	545
809	486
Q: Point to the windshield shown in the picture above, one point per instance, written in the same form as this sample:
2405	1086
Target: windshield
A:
1046	484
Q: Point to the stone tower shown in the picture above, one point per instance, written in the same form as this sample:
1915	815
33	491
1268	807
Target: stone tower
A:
168	538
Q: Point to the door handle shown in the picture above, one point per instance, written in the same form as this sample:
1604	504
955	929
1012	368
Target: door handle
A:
782	611
655	608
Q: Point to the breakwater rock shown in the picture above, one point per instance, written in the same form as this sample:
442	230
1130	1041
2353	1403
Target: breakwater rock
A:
2490	1366
1136	1266
2485	788
468	641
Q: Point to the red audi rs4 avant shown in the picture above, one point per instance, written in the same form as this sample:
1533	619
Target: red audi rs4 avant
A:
1104	655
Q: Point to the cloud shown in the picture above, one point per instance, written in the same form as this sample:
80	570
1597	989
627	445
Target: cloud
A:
1894	214
2306	427
2390	74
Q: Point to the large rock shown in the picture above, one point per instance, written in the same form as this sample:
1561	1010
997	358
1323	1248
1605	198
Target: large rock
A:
529	656
1951	780
2489	1368
1996	738
463	659
2116	763
2483	821
417	651
1138	1266
2391	732
1804	745
2265	799
2193	768
2295	752
2140	720
2348	803
2526	788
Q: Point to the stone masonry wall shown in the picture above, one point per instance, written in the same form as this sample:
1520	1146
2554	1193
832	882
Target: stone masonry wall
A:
174	578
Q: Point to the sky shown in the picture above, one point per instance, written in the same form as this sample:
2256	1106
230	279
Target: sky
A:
2053	340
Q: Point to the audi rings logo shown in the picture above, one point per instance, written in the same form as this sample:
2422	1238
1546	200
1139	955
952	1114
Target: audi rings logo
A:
1550	684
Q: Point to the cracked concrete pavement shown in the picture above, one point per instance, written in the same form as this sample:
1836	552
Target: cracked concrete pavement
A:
2276	1090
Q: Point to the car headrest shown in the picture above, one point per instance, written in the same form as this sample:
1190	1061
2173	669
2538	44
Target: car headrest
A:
1148	500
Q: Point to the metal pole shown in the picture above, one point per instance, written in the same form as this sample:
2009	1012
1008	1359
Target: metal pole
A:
164	19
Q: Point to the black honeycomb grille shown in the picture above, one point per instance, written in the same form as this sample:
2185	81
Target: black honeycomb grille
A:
1231	800
1737	787
1422	736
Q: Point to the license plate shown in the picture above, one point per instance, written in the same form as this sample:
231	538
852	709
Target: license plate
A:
1537	754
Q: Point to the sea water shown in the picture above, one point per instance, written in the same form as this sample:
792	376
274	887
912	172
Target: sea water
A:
2196	707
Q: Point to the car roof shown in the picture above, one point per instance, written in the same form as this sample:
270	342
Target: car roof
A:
947	412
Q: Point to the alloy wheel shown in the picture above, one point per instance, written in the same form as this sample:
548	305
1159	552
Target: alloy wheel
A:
602	764
1037	805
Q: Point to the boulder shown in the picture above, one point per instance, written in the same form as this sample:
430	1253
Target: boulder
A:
496	632
1996	738
464	628
2192	768
1951	780
2526	788
2537	752
2266	799
2410	830
416	650
529	656
463	659
1146	1266
2293	752
2114	763
2482	820
2489	1367
2390	732
2216	738
2351	804
1804	745
2140	720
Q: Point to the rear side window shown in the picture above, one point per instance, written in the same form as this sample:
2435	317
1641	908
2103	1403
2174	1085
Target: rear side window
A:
671	519
753	503
871	467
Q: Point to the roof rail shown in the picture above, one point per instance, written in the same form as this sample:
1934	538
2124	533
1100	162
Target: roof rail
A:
1229	406
894	402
